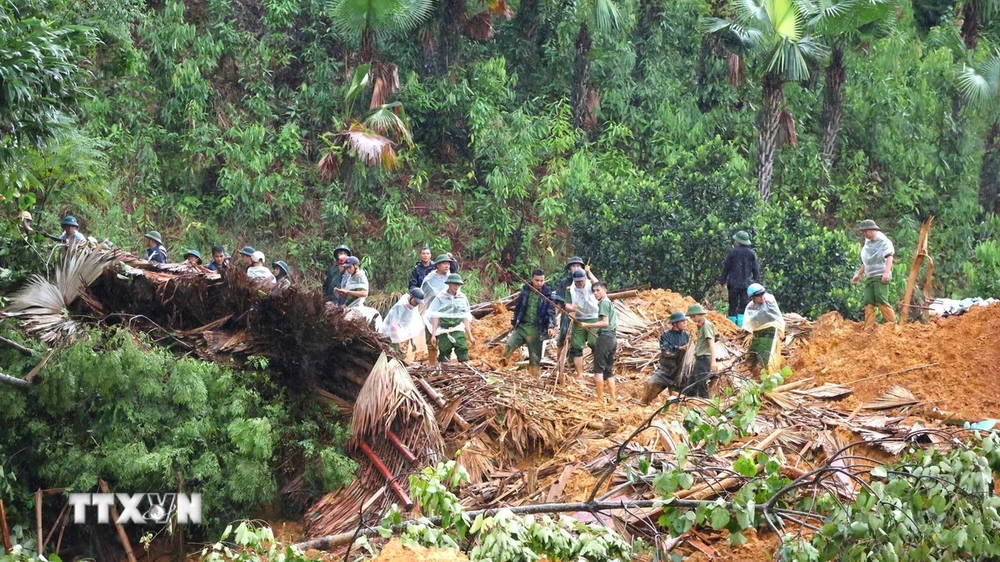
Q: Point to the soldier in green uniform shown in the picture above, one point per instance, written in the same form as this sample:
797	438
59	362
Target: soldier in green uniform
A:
451	321
534	316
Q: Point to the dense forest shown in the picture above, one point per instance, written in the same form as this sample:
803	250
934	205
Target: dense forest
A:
637	134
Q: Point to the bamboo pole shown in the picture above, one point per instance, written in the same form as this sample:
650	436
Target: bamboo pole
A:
389	477
122	535
4	530
15	345
38	522
403	449
441	403
918	260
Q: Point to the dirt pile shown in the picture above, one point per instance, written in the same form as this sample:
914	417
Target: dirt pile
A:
396	551
952	363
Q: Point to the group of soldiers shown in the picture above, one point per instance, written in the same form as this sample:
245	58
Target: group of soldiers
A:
436	309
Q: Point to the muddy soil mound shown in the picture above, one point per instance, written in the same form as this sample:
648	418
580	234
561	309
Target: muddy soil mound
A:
952	362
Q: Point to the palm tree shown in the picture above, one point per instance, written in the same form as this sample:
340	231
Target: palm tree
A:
981	87
843	24
605	17
773	36
974	12
371	138
368	21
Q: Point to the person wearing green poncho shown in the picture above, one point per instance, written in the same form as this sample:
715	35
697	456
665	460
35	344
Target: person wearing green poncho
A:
451	321
762	318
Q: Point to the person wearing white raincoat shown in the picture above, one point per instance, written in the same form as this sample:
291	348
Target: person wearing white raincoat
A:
403	322
764	320
449	319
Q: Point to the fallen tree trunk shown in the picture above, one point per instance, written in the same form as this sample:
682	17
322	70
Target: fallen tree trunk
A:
341	539
14	381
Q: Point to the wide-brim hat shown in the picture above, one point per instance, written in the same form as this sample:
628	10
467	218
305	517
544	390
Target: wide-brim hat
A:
868	224
454	279
742	237
154	236
695	309
247	251
443	258
575	260
194	253
342	248
677	317
282	265
69	220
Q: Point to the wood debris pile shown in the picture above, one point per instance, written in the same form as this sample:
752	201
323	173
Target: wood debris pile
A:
308	343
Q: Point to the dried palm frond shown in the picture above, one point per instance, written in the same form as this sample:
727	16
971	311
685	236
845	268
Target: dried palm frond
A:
42	305
372	148
786	128
736	74
630	322
329	165
479	27
386	83
389	394
895	397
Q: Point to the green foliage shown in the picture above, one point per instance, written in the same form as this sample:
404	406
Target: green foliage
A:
930	506
111	408
502	537
983	272
807	267
41	78
250	542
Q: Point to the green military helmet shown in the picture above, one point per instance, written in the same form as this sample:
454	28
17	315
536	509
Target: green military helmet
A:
868	224
69	220
194	253
742	237
247	251
154	236
695	309
282	266
454	279
443	258
677	317
342	248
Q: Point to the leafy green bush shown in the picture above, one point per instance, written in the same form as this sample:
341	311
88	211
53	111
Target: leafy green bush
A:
805	265
111	407
983	271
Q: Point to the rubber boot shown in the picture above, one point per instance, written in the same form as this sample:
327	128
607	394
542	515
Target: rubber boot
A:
888	314
739	320
733	319
870	317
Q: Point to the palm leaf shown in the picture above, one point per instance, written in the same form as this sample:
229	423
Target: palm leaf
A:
785	17
352	18
359	82
372	148
42	305
606	15
981	88
385	122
